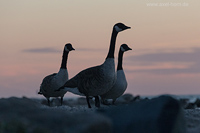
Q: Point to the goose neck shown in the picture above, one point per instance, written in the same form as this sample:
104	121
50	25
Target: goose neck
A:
112	45
120	60
64	59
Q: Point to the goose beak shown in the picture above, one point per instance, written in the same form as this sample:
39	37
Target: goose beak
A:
127	27
72	49
129	48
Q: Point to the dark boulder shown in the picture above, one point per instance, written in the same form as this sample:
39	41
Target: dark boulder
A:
23	115
197	102
158	115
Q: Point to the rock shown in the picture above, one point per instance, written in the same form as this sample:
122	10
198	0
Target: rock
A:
190	106
44	102
184	102
159	115
23	115
192	120
136	98
124	99
127	97
13	104
197	102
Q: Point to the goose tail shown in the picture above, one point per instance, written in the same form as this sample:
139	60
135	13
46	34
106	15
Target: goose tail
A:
40	93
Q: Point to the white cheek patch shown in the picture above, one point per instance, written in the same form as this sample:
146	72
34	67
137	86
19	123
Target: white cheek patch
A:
122	49
66	49
118	29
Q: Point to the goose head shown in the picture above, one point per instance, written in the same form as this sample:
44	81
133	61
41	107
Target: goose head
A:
68	47
120	27
124	47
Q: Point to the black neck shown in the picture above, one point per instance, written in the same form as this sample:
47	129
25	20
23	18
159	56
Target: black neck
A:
120	59
112	44
64	59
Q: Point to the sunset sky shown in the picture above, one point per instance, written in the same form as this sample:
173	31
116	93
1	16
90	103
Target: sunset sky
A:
164	36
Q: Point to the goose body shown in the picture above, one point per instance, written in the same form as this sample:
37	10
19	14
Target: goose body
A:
91	80
54	81
97	80
121	84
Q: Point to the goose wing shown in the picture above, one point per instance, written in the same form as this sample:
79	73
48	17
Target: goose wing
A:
85	79
46	81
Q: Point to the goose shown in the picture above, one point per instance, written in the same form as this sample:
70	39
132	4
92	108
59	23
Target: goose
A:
97	80
121	84
53	81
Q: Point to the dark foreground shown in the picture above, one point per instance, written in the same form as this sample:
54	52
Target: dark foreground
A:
163	114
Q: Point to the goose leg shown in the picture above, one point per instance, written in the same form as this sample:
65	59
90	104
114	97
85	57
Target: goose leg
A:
61	100
97	102
113	102
87	98
48	101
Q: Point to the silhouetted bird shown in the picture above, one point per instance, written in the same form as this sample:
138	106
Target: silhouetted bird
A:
121	84
54	81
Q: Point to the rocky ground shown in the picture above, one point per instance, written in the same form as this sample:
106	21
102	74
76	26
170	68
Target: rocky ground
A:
24	115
